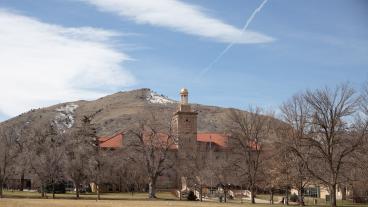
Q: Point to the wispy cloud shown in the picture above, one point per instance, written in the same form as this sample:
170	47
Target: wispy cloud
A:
227	48
179	16
44	64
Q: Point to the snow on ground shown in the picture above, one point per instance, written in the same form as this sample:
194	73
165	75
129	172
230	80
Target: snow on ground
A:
64	119
153	97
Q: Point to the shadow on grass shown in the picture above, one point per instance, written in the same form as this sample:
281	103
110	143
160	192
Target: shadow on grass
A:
69	196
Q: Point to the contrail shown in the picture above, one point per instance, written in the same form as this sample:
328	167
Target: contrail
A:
205	70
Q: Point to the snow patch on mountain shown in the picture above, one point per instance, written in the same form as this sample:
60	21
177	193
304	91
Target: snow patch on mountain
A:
65	117
155	98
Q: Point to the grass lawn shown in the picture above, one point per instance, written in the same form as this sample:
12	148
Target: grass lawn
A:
309	201
89	196
10	202
32	199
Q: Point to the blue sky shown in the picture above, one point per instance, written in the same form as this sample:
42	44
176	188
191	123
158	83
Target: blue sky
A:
64	50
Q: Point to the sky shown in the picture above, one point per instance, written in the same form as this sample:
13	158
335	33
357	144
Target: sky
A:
232	53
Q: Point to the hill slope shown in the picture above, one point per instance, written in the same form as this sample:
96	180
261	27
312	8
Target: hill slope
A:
119	111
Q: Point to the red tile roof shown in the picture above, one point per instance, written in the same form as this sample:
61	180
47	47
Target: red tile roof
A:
219	139
163	140
115	141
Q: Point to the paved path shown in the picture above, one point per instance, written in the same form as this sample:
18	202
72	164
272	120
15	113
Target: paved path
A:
258	200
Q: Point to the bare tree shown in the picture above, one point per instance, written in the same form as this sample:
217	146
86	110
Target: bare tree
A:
7	154
152	143
45	152
273	178
295	113
331	139
276	167
249	131
198	170
21	141
359	168
283	171
98	158
128	174
226	173
79	148
98	168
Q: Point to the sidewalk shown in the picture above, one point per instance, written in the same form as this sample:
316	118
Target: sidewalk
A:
257	200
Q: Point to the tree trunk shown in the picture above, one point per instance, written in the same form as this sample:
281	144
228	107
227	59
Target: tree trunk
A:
241	194
343	192
286	202
252	194
77	190
333	195
200	192
42	191
225	195
53	190
98	192
152	188
271	196
301	196
21	187
1	188
120	184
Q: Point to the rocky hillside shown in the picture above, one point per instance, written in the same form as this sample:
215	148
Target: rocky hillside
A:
118	111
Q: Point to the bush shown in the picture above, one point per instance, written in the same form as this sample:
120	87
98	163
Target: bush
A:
294	197
192	196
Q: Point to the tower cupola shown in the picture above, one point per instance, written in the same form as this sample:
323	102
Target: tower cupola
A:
184	96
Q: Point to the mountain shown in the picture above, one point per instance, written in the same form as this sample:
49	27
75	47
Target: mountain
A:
118	112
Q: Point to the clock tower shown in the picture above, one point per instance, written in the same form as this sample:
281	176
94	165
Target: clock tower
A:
185	120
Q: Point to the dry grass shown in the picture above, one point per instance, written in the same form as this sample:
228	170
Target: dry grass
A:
90	196
32	199
11	202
